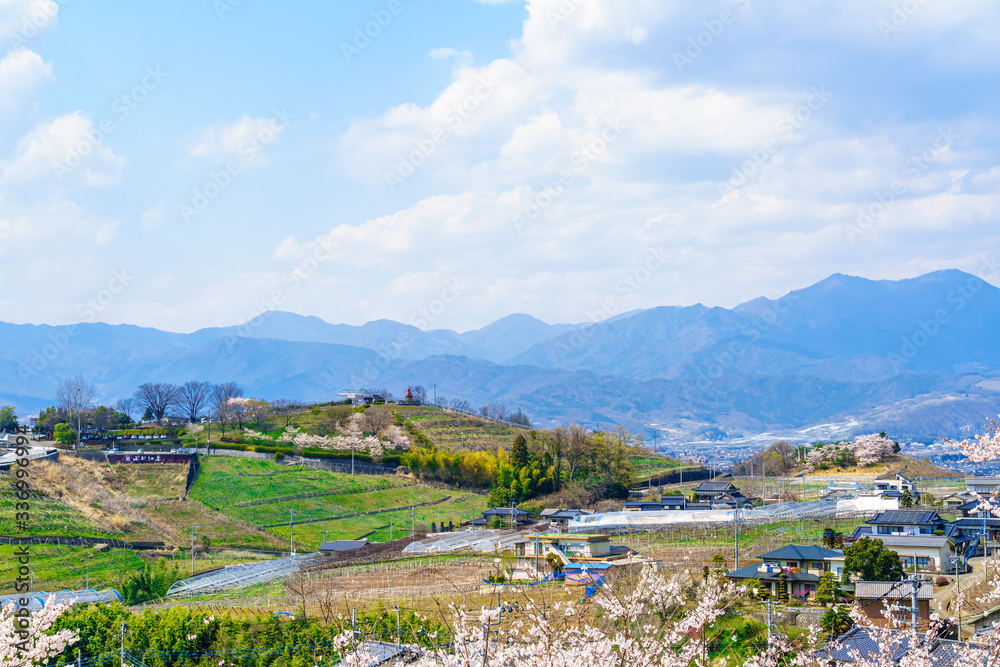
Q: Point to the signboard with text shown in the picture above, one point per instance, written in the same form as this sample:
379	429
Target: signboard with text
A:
127	457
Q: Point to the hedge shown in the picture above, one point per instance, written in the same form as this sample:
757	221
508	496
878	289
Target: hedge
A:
388	460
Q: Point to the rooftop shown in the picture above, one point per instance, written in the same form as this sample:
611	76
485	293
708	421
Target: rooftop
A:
799	552
714	486
933	541
892	590
906	517
504	511
753	572
342	545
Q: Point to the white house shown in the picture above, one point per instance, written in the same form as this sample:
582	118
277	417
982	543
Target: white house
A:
933	553
984	486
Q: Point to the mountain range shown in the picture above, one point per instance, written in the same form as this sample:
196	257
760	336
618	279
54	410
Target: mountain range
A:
919	358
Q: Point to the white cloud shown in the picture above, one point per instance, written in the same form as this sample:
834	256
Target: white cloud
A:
23	20
22	75
65	150
244	140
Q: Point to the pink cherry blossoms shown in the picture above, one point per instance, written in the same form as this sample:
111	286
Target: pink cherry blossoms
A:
33	647
865	449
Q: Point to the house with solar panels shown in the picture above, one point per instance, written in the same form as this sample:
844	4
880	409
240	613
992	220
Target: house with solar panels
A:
901	522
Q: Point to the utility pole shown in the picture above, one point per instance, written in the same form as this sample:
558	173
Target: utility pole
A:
291	530
194	534
123	644
736	533
770	623
958	596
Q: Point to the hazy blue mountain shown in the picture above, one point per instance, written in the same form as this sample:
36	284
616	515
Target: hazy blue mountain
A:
504	338
843	328
510	336
917	357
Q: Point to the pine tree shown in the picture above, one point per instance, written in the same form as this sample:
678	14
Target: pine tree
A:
828	589
519	453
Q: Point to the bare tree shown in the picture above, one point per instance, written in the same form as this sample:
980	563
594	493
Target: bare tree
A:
259	412
461	405
74	395
239	410
420	394
126	406
495	411
384	393
157	397
284	410
193	399
373	420
221	393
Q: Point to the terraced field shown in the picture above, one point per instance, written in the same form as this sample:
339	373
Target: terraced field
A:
458	430
251	492
48	517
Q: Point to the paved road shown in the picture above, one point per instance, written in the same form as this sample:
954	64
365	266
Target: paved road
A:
944	595
8	457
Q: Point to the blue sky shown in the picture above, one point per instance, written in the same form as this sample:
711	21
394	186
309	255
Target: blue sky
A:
192	163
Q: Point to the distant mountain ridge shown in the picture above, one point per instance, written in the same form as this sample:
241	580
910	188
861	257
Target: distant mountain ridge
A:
918	357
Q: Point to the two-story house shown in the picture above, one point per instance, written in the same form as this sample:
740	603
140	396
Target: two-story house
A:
723	494
898	483
802	566
984	486
931	553
901	522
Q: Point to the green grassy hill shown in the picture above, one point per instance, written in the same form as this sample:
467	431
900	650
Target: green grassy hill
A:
261	493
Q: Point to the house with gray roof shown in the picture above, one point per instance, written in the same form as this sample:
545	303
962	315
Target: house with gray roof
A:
873	596
860	642
905	522
802	566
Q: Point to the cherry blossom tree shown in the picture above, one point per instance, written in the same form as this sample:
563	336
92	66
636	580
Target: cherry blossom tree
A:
23	638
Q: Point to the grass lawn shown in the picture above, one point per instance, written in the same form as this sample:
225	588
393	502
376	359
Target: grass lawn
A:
227	481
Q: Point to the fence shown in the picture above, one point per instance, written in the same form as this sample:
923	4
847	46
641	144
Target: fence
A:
504	422
790	616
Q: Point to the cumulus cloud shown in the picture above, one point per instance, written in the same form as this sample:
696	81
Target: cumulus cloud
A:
65	150
22	74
